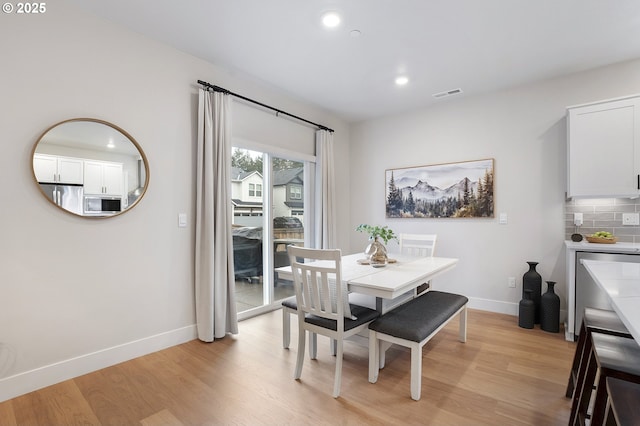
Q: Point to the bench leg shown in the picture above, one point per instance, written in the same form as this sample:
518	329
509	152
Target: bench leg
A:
374	353
416	371
463	324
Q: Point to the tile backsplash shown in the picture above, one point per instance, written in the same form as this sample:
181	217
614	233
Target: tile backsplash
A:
603	214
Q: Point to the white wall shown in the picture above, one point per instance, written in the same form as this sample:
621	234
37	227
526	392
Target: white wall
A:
79	294
524	130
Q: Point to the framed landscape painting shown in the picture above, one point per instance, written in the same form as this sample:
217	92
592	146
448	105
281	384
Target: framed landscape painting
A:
463	189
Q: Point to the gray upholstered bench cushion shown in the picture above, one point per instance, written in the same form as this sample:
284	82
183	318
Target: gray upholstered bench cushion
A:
418	318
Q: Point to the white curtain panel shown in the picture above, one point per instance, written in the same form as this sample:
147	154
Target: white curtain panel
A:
214	276
325	206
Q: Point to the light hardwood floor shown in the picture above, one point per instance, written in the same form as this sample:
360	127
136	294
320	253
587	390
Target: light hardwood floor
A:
502	375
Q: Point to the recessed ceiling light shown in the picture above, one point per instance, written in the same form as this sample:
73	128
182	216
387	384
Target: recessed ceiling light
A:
402	80
355	33
331	19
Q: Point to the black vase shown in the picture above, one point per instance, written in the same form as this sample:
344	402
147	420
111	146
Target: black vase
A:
526	311
550	310
531	280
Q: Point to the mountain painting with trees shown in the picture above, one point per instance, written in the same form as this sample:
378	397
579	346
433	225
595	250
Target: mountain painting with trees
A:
463	189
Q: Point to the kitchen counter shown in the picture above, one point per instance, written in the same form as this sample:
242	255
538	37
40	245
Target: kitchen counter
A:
621	282
604	248
584	246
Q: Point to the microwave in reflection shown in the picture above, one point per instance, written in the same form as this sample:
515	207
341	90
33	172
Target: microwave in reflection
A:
102	205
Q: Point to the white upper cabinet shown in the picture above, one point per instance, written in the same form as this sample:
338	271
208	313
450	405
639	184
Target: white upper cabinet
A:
101	177
54	169
604	149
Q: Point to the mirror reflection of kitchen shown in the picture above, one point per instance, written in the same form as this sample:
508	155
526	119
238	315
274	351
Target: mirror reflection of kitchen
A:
90	168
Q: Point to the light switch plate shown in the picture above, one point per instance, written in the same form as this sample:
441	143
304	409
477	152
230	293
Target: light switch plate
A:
182	220
630	219
503	219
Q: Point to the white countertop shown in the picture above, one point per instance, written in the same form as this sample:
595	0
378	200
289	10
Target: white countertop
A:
621	281
584	245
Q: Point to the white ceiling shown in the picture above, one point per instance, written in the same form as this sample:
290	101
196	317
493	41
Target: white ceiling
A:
88	135
475	45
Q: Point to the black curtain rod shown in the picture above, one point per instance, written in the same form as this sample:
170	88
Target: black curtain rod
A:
278	111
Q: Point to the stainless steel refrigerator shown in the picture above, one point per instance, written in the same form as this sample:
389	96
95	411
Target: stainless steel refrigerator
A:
69	196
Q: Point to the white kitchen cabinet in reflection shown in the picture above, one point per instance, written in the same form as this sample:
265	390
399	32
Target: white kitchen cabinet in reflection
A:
104	178
56	169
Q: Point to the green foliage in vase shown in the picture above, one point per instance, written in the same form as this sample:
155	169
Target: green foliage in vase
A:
382	232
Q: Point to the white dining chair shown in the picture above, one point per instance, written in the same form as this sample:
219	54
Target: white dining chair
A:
419	245
322	303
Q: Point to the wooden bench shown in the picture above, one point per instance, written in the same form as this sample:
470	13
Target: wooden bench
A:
412	325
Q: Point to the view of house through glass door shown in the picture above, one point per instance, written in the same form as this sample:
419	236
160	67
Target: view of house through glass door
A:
268	194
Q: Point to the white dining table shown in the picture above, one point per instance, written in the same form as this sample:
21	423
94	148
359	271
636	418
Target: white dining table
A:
390	285
621	282
389	282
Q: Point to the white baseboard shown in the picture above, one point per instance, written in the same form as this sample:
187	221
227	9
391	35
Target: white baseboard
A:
499	307
28	381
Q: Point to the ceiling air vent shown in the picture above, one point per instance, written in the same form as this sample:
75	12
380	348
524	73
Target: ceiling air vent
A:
447	93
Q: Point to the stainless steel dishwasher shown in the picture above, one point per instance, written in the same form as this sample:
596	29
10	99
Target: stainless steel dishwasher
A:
588	294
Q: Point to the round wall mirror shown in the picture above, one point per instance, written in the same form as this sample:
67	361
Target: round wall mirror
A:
90	168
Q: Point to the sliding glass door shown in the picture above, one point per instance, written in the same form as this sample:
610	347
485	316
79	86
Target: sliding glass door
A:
268	199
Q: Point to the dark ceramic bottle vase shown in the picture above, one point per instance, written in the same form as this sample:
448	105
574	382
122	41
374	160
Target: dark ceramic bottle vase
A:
526	311
550	310
531	280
